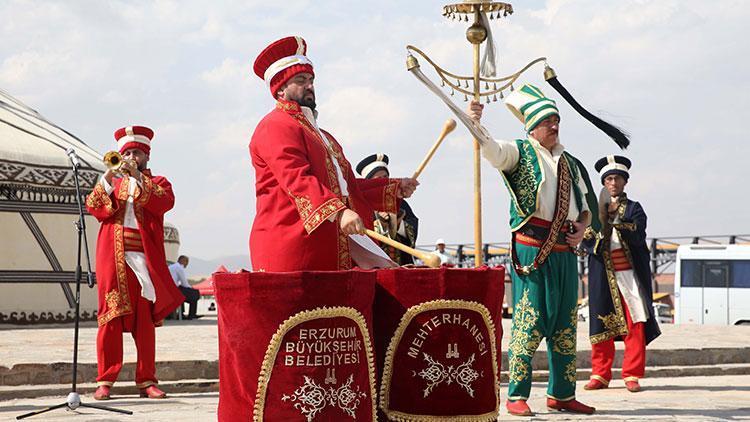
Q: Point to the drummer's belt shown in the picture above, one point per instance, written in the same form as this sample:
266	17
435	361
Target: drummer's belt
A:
536	231
620	260
133	242
552	233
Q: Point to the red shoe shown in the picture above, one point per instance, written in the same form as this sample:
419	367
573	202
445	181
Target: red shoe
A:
572	406
153	392
102	392
518	408
633	386
595	384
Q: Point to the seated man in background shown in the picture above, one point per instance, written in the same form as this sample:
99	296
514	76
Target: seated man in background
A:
177	270
445	258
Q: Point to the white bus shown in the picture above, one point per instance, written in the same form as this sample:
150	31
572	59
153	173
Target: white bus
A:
712	284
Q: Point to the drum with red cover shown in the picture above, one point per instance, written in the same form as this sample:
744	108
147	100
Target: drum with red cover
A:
296	346
437	340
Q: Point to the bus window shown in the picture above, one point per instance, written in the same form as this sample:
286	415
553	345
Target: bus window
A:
716	274
690	271
740	274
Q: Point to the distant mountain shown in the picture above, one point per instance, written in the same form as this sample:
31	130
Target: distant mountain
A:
200	268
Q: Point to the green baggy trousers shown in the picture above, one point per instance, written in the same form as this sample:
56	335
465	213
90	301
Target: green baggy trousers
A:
545	306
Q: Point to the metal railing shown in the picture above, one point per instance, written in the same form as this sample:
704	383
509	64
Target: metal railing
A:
663	252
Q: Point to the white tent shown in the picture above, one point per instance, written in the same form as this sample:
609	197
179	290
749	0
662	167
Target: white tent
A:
37	215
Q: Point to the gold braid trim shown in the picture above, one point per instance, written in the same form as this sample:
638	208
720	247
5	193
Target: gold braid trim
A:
589	233
615	324
411	313
118	300
390	196
625	226
332	153
145	384
314	220
98	198
269	359
322	213
122	192
148	188
338	153
562	205
569	398
287	106
303	204
342	244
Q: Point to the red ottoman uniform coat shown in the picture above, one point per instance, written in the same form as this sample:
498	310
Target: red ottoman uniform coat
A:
297	191
151	201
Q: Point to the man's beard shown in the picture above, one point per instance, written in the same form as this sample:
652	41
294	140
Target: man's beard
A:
305	102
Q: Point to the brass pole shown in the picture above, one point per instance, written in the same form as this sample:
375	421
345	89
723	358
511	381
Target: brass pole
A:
477	160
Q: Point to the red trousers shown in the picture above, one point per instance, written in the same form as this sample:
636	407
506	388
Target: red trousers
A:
141	327
634	360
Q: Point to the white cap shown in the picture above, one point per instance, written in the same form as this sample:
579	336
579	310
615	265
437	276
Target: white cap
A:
440	241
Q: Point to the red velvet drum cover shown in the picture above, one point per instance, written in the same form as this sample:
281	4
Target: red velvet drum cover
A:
296	346
438	337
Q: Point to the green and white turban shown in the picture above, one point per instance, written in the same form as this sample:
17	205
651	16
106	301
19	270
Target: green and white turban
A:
530	106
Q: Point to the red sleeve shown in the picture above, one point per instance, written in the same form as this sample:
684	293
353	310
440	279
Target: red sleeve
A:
281	147
382	194
101	205
156	195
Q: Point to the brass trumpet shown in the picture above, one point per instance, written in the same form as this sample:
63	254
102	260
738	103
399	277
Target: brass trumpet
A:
113	161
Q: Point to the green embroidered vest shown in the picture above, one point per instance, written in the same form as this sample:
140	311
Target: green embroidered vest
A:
524	183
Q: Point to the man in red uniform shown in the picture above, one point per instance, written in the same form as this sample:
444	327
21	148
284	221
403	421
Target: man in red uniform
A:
135	288
308	199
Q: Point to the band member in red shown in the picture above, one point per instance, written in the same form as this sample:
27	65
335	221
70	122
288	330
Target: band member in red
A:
308	200
135	288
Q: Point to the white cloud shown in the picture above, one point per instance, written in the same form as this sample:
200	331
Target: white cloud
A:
232	136
363	114
230	71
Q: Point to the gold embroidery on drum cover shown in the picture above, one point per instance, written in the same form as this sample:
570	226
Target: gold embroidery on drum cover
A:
308	393
466	374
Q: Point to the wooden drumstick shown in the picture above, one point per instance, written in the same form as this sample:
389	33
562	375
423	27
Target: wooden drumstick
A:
429	259
448	127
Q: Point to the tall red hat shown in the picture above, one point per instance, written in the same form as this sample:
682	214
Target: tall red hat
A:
134	137
281	60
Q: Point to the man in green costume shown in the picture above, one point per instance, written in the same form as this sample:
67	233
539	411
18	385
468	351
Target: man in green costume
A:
551	196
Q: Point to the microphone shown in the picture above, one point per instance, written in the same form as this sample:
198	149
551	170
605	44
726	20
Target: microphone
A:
73	157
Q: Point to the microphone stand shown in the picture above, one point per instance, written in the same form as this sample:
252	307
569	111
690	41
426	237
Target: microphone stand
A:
73	400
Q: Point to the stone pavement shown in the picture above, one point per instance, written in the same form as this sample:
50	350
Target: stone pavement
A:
36	362
198	340
176	340
188	350
722	398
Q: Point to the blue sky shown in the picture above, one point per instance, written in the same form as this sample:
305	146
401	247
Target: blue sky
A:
673	73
